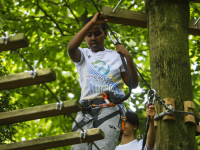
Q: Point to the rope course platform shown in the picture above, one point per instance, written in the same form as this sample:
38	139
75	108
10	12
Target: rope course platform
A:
55	141
14	42
138	19
38	112
24	79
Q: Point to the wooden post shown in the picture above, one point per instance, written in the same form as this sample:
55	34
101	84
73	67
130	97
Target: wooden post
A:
24	79
38	112
55	141
17	41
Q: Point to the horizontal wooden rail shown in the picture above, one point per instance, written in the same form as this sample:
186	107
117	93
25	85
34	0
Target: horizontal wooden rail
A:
37	112
70	138
14	42
138	19
23	79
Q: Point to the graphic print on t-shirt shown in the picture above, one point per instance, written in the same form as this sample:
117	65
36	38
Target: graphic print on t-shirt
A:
101	67
97	74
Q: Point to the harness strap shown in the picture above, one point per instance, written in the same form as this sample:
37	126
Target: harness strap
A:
96	122
102	120
83	122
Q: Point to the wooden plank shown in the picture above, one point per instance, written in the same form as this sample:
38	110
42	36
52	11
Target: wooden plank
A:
17	41
138	19
38	112
125	17
70	138
23	79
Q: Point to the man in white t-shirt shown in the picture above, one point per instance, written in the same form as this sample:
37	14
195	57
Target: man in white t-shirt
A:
128	141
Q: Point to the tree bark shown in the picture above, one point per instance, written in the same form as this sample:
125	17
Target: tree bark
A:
168	22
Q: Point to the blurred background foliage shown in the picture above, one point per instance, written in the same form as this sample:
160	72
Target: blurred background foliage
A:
49	26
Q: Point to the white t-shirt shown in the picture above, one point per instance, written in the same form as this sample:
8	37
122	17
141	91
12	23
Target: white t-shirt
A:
133	145
99	72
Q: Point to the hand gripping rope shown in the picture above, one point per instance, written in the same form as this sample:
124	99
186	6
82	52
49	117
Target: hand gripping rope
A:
151	97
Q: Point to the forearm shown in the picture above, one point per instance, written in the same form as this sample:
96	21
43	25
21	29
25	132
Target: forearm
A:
132	70
76	41
151	135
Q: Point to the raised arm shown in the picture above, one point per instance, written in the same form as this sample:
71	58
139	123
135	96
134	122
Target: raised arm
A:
151	135
131	66
72	48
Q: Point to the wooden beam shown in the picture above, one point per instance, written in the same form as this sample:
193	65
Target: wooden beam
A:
17	41
125	17
38	112
23	79
138	19
70	138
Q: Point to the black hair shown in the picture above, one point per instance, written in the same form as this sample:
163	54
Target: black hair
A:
132	118
104	25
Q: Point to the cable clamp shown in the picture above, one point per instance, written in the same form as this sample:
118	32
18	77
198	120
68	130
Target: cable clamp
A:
59	105
33	73
83	134
153	95
5	39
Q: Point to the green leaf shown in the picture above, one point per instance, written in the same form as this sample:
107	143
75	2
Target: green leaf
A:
80	10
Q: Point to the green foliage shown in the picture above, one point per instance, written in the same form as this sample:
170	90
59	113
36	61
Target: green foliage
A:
50	25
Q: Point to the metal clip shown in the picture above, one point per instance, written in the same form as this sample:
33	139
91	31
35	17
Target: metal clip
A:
153	93
83	134
5	39
59	105
33	73
118	39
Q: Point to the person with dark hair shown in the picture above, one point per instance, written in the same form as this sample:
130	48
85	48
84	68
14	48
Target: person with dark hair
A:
100	70
128	141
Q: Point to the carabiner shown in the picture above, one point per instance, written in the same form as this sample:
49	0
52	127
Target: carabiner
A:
118	39
154	94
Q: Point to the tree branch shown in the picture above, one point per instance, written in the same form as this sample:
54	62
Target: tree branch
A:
71	11
57	25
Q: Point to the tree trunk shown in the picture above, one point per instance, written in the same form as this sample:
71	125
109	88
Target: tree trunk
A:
168	22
